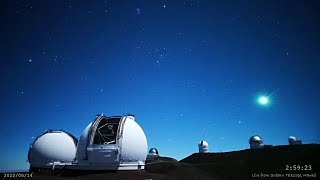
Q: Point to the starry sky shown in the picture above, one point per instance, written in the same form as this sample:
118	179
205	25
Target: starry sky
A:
189	70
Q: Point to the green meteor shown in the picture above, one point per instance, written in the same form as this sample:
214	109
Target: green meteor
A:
263	100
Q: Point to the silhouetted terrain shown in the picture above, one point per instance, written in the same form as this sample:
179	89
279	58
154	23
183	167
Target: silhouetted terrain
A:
244	164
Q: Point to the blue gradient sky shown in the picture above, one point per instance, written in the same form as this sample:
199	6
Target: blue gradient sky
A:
188	70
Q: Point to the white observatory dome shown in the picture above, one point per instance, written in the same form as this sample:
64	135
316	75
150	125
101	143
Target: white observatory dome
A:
291	139
52	146
255	142
203	147
112	143
153	152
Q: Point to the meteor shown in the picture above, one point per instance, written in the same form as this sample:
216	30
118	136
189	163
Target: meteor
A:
264	100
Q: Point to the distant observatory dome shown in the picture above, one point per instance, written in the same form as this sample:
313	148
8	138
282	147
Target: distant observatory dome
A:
52	146
293	141
109	143
255	142
203	147
153	152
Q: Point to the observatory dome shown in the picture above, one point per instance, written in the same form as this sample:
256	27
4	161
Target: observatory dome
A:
52	146
292	138
255	142
153	152
115	143
203	147
293	141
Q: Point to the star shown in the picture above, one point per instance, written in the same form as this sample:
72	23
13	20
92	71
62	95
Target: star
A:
138	11
20	92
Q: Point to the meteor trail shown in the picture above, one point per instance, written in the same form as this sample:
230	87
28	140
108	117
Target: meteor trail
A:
273	93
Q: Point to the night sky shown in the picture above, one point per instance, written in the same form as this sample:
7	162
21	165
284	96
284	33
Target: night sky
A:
188	70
